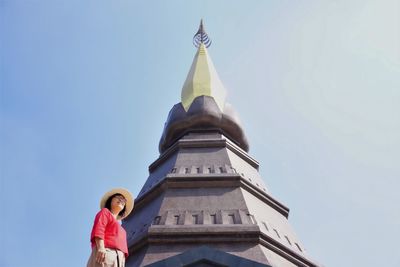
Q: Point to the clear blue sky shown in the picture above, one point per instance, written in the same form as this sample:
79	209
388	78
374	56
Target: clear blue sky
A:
86	87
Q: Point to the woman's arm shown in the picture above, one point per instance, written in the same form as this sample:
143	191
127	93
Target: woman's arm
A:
101	250
98	234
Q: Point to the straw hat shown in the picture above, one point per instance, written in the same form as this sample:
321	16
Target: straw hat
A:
127	195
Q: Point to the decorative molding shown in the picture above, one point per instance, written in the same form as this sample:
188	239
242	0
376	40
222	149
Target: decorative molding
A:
168	234
209	180
224	141
206	256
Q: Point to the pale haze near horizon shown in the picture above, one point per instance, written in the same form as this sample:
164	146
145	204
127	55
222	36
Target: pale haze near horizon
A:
86	87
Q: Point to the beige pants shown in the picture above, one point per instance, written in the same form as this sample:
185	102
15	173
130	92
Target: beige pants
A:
114	258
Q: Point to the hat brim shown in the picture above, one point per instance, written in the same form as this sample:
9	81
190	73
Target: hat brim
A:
127	195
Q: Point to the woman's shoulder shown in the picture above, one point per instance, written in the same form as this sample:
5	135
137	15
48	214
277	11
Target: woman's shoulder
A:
104	212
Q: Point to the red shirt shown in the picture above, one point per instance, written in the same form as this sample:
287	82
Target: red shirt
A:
108	228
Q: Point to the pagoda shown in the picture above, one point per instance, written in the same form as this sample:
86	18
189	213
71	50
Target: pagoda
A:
204	202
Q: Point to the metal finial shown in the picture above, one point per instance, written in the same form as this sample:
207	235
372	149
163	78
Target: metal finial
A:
201	37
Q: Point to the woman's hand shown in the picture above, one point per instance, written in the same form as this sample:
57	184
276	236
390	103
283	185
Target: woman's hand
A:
101	255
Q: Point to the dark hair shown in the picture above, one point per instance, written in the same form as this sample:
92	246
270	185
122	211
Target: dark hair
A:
108	205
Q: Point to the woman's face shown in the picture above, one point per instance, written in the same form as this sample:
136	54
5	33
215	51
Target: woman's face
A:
118	202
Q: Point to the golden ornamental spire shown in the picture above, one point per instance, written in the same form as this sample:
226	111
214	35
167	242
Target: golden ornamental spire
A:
202	78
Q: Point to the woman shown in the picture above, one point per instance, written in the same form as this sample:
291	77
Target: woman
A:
108	238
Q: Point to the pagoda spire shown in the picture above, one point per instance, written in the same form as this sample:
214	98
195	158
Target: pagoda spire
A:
201	37
202	78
